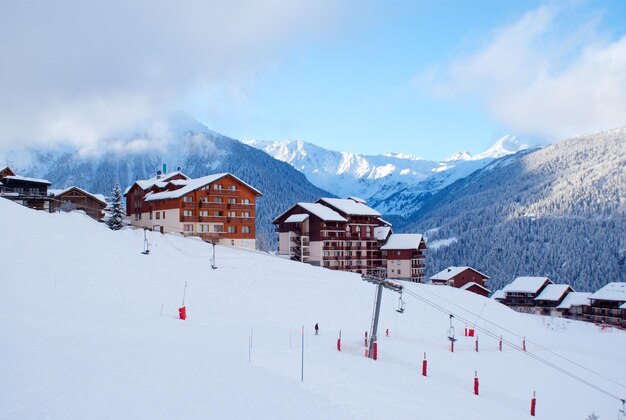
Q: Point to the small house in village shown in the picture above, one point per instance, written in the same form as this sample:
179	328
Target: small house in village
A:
608	305
219	208
404	254
465	278
74	198
550	297
521	293
575	305
29	192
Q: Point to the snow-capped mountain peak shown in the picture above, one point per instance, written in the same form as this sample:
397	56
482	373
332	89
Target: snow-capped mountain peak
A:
504	146
458	156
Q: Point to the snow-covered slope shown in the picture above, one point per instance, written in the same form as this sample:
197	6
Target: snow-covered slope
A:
90	330
379	177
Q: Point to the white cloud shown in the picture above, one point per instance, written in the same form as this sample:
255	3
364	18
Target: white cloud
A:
540	78
76	71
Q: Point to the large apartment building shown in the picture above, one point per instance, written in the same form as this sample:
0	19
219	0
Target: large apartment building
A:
219	208
348	235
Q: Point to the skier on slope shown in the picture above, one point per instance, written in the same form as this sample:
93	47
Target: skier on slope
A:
317	327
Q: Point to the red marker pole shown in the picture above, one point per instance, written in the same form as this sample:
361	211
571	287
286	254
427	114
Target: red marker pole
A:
339	342
375	350
465	331
424	366
452	346
387	332
533	405
475	383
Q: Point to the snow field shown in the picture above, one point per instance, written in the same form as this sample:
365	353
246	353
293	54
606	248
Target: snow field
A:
84	337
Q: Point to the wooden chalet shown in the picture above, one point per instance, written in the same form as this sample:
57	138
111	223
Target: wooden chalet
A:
521	293
29	192
74	198
219	208
465	278
575	305
340	234
608	305
550	297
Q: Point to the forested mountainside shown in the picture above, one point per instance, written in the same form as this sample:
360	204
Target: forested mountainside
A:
558	212
198	152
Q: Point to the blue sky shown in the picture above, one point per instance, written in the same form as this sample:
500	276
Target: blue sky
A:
427	78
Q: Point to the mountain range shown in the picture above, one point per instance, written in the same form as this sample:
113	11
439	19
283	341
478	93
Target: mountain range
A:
393	183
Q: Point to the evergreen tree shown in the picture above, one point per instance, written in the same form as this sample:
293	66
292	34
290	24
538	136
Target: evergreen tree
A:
115	221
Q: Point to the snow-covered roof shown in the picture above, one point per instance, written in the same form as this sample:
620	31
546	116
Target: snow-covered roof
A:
623	306
553	292
381	232
323	212
450	272
526	284
192	185
98	197
498	294
350	207
615	291
297	218
159	180
403	241
23	178
385	222
575	299
472	283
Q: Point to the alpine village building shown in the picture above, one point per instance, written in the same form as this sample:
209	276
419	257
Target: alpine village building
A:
348	235
74	198
219	208
464	278
29	192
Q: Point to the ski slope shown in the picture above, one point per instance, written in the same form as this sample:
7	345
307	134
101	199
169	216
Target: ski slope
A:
90	330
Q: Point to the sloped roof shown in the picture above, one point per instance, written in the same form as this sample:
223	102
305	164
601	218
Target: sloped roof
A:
472	283
23	178
350	207
615	291
192	185
297	218
553	292
526	284
158	180
498	294
325	213
575	299
450	272
402	241
357	199
98	197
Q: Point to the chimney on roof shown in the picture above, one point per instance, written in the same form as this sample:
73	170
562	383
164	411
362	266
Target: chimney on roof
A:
178	169
164	168
449	269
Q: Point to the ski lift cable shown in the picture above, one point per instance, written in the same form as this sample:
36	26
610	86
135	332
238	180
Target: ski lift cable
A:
519	349
527	340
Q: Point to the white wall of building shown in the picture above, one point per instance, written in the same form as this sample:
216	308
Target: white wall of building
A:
398	269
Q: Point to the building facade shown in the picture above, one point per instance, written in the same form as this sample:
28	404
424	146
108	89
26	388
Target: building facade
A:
521	293
343	234
608	305
74	198
29	192
466	278
219	208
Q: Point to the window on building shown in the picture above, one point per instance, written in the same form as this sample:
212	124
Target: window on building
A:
204	213
245	214
150	215
188	228
232	187
188	199
217	186
232	229
205	228
399	271
218	213
245	229
187	213
158	215
218	200
398	253
232	200
232	214
245	201
164	215
358	229
218	228
136	216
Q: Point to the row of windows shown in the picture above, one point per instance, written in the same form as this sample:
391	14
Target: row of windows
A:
216	229
218	200
157	214
216	213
